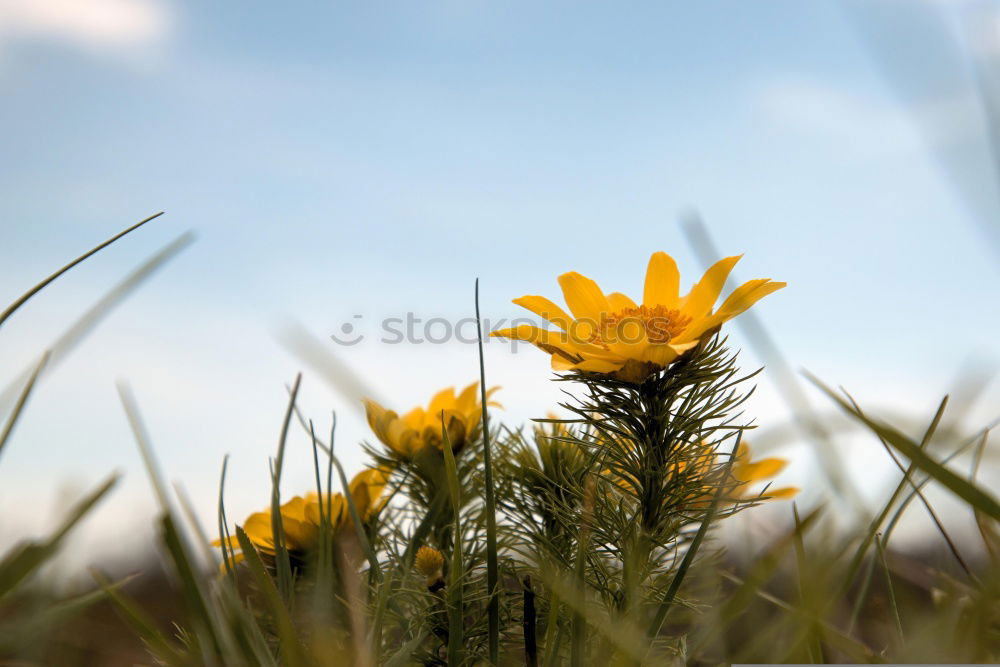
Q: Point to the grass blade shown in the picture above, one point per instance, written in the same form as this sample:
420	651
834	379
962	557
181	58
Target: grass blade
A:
42	285
492	569
22	400
967	491
291	649
578	624
456	566
61	347
282	561
27	557
876	523
692	551
880	549
142	625
404	656
780	371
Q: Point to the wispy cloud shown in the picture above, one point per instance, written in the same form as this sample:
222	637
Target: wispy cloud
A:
870	124
91	24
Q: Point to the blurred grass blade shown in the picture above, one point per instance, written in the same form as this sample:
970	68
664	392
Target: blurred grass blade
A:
228	553
620	633
193	589
145	449
692	551
876	524
780	372
814	645
987	529
578	622
317	354
21	633
967	491
553	630
456	567
908	479
404	656
22	400
850	646
291	649
40	286
213	634
61	347
142	625
492	570
880	549
762	570
29	555
281	558
359	527
898	514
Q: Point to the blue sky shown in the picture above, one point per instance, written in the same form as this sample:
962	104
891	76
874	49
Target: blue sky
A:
370	159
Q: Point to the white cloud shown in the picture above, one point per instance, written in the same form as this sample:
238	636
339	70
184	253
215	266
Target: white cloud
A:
94	24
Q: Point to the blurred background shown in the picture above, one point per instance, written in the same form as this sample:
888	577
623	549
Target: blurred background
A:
343	163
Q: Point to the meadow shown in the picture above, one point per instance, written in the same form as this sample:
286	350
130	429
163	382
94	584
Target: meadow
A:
583	539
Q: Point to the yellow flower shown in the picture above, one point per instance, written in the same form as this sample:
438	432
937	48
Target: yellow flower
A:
611	334
418	429
700	469
301	516
746	473
429	562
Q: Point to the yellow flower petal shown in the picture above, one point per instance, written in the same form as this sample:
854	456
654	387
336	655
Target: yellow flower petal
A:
554	342
662	281
758	470
547	309
585	299
415	418
619	302
468	399
742	298
258	529
659	354
596	366
702	297
442	400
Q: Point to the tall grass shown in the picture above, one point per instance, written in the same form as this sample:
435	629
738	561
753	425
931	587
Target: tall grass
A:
539	564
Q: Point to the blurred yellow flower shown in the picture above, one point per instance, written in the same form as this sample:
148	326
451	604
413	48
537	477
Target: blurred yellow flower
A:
746	473
611	334
420	428
701	469
301	516
428	561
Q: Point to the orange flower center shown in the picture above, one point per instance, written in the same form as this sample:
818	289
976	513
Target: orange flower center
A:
657	324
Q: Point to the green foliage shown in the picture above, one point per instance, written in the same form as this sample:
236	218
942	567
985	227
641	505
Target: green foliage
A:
582	541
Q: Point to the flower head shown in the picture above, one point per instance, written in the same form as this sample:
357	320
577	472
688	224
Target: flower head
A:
428	562
698	469
302	516
611	334
746	473
420	428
